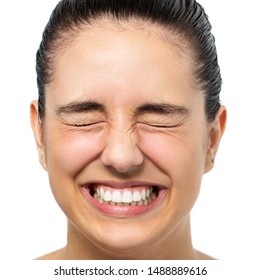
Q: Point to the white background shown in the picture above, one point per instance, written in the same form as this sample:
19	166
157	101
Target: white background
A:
225	220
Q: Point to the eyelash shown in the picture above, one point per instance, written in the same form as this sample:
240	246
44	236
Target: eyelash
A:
158	126
86	124
142	123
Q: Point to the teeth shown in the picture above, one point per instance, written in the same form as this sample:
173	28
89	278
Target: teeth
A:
145	202
153	196
140	203
116	196
102	193
107	196
127	197
136	196
143	194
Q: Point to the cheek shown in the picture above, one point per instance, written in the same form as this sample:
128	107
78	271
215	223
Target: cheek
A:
180	156
71	152
182	160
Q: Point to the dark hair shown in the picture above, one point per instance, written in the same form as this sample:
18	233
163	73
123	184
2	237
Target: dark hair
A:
186	18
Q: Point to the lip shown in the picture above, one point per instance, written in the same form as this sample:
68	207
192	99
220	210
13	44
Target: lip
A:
122	211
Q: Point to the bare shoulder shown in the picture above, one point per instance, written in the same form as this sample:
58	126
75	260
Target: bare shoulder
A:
55	255
202	256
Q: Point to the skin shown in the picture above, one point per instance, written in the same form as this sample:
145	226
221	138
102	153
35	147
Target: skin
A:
122	71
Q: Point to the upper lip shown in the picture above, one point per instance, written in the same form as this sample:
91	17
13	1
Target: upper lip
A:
123	184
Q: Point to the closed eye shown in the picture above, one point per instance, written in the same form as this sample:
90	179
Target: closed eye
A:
86	124
158	125
161	115
162	126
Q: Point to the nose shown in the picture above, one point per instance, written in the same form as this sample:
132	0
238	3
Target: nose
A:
122	153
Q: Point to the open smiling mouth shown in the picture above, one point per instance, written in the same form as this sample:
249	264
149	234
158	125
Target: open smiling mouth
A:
123	201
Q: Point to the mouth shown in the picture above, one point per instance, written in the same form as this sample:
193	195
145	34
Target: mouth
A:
128	199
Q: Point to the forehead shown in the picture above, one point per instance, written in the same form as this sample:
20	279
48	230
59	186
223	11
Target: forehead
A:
121	60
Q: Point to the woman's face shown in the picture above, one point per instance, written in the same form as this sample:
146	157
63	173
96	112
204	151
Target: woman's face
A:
125	137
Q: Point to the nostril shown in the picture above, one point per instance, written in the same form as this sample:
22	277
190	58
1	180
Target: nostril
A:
124	170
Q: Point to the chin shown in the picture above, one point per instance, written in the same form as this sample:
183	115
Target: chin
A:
123	240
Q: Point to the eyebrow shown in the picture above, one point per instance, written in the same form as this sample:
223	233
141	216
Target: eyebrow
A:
162	109
80	107
156	108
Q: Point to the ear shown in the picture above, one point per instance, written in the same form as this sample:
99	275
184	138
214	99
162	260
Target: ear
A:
216	131
37	127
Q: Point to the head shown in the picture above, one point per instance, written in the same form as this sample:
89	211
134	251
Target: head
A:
128	102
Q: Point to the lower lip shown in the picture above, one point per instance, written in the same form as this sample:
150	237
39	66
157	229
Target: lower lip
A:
123	211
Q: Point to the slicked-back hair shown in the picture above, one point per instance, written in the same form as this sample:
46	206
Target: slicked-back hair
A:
185	18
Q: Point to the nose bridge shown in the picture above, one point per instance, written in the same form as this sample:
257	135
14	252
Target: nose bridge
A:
122	151
122	141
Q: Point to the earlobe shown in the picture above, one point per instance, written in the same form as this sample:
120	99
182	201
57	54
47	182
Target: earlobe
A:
37	128
216	132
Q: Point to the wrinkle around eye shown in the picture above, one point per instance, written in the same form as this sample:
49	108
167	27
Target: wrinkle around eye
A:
162	121
81	119
162	125
86	124
78	121
178	130
74	128
152	127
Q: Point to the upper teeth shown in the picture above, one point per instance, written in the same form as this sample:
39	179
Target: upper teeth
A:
123	195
